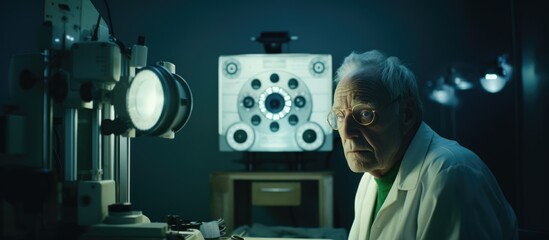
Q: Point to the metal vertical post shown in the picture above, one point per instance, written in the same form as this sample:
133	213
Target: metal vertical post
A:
108	146
123	168
71	144
96	170
48	115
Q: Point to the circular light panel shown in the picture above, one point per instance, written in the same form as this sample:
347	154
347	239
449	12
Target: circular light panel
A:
157	102
145	100
265	101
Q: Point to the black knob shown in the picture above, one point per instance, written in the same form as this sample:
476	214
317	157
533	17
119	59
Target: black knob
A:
116	126
256	120
293	83
293	120
58	86
256	84
120	207
274	78
141	40
274	127
27	79
300	101
248	102
309	136
86	91
240	136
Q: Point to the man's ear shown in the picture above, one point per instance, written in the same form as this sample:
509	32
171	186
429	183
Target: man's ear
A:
410	114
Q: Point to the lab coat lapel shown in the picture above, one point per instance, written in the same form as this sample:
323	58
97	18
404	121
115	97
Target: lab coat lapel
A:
368	209
409	170
407	177
414	158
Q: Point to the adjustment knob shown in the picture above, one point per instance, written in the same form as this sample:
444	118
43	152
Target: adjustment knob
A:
86	91
27	79
115	126
58	86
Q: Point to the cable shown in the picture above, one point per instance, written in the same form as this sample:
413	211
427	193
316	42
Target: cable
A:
126	52
96	30
57	153
111	29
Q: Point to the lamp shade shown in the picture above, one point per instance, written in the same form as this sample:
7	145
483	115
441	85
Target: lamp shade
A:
497	75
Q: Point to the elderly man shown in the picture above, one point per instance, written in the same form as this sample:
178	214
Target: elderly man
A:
416	184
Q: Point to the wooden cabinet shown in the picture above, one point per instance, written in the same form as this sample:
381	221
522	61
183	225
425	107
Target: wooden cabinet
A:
238	196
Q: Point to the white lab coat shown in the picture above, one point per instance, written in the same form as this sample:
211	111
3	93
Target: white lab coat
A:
442	191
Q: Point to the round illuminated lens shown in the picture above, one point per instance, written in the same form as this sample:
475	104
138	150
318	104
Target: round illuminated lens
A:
275	103
145	100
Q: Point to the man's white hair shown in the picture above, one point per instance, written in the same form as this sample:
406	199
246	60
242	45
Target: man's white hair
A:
397	79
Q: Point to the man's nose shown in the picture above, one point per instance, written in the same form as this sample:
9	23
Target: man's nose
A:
348	128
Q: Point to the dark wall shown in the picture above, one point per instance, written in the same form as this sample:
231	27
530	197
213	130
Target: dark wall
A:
533	42
172	176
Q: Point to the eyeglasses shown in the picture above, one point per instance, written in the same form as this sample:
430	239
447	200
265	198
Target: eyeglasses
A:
362	114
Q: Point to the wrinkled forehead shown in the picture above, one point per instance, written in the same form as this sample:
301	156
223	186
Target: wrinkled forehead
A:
364	89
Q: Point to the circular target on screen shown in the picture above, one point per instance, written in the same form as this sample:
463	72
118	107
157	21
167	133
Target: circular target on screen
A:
318	67
231	68
309	136
262	102
240	136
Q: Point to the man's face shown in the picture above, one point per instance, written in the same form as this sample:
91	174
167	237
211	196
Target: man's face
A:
373	148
